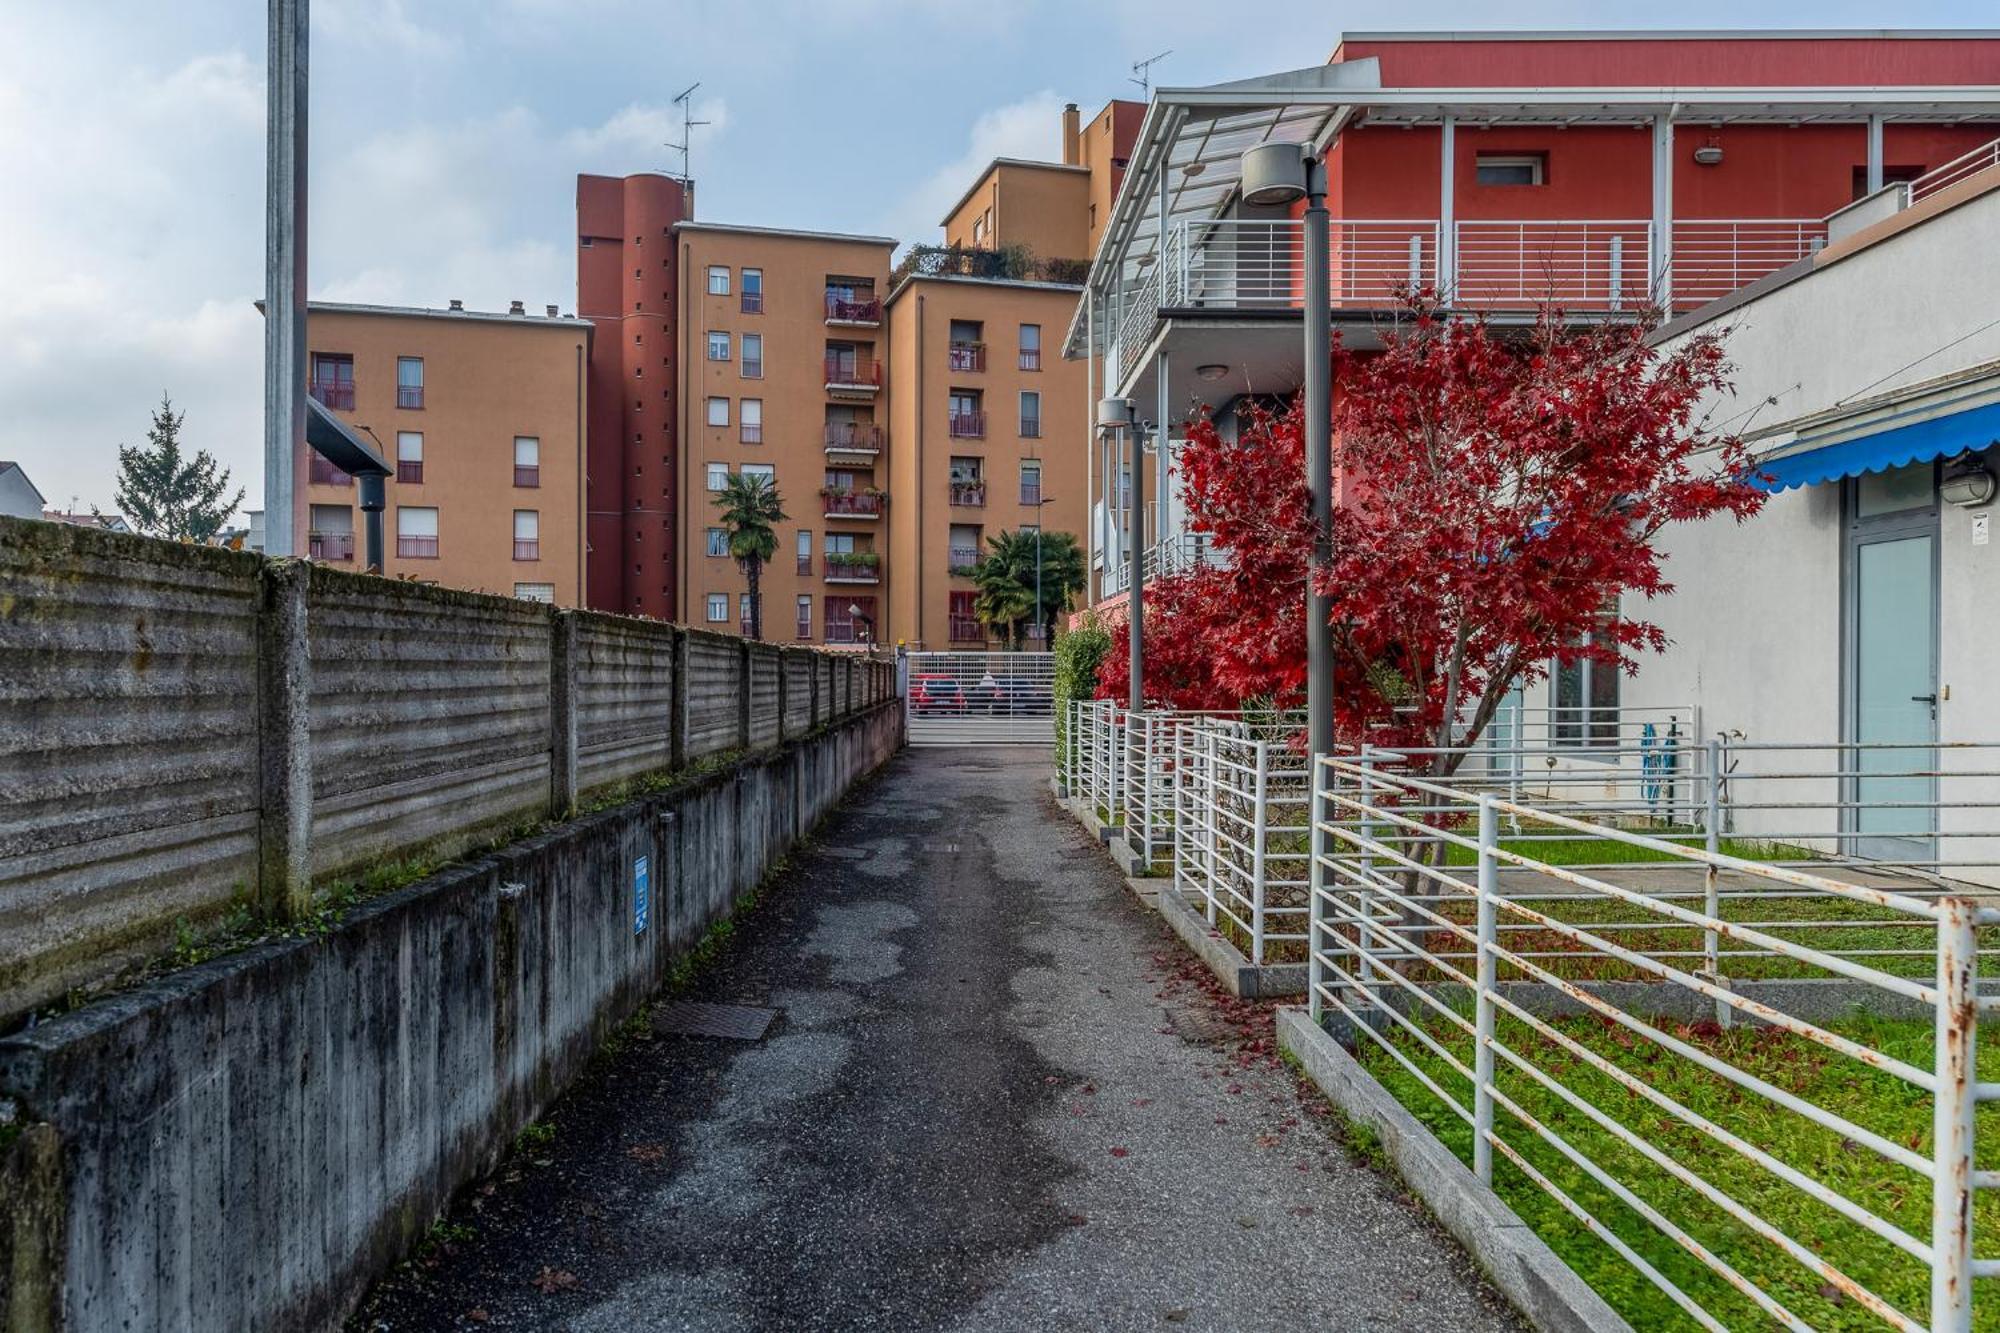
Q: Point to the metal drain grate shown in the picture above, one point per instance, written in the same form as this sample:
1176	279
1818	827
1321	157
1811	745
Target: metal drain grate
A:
690	1018
1199	1027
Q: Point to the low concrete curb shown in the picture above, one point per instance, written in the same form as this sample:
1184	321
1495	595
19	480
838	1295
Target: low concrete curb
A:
1145	890
1238	976
1544	1288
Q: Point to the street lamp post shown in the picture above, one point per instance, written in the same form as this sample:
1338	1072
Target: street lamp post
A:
1040	618
1116	416
1284	173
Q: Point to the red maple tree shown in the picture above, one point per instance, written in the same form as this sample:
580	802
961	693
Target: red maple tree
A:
1499	494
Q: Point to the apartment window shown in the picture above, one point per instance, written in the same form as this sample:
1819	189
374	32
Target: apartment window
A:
718	280
333	380
753	291
750	412
527	460
967	351
752	367
718	607
718	542
409	457
964	621
1031	483
535	592
964	419
718	346
968	487
331	534
718	476
962	547
718	411
1584	695
416	532
410	381
805	630
805	551
764	470
1511	168
1031	347
527	534
1031	414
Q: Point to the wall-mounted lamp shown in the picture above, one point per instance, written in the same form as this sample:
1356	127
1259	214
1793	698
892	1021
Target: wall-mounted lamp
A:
1969	488
1211	372
1709	155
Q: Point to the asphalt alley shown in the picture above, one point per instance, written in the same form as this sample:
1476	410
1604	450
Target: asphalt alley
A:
996	1096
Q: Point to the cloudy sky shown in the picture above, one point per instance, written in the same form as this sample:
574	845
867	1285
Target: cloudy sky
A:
446	135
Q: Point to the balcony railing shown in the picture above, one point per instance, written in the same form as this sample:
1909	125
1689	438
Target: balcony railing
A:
844	309
753	303
853	504
417	548
967	629
527	548
1598	263
753	432
330	545
410	471
805	564
840	629
966	357
410	395
1182	551
321	472
866	569
963	559
527	474
853	437
970	494
335	394
968	425
1031	358
804	630
853	373
1031	428
1714	256
1956	170
1031	492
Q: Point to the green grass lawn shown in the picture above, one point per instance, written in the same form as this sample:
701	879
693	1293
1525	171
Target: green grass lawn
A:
1870	1099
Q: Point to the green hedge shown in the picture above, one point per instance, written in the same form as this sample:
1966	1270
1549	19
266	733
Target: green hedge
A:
1078	651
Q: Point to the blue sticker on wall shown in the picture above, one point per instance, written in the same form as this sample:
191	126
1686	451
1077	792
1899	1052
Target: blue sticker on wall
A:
642	897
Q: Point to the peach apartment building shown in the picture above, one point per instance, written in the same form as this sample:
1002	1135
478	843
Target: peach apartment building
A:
482	417
781	370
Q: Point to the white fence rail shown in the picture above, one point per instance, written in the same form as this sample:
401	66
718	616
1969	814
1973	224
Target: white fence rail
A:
1958	169
1806	1163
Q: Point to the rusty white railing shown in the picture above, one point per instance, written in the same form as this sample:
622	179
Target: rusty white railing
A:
1554	995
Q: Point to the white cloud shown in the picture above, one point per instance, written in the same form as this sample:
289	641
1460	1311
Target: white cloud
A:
1029	128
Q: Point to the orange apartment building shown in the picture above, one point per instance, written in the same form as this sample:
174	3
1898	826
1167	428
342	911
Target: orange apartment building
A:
482	416
781	372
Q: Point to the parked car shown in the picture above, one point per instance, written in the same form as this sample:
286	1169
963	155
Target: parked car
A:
933	694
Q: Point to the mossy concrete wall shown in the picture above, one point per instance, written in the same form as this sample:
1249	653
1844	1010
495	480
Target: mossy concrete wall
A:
245	1144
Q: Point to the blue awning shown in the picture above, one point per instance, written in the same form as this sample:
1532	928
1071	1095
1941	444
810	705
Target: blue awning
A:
1940	437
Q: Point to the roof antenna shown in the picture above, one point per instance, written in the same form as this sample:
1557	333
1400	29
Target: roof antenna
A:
1142	71
688	122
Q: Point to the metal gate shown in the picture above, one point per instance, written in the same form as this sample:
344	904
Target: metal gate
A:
980	698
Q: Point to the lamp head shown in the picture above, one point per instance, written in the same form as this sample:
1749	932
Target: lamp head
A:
1274	173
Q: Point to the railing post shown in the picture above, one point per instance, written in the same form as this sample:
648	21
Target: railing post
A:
1488	977
1211	783
1319	769
1261	816
562	714
1364	890
1711	879
284	742
1955	1064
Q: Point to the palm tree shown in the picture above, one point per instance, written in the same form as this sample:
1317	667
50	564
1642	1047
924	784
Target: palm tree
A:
1062	569
1002	603
1047	571
750	506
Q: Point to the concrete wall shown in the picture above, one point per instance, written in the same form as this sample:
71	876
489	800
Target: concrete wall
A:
192	730
246	1143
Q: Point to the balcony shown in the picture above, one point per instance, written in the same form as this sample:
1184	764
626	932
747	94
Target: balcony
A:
967	357
969	494
527	548
853	310
1031	428
417	548
527	474
967	425
330	545
967	629
845	629
963	560
804	631
849	374
753	303
852	504
853	567
410	396
1031	492
1031	358
335	394
321	472
853	437
410	471
805	564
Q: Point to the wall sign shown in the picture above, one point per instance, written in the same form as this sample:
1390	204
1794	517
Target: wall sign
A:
642	894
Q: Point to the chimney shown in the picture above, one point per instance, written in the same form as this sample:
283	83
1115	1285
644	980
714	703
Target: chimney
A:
457	304
1072	150
516	308
551	310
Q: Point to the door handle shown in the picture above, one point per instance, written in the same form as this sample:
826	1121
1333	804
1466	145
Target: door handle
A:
1930	699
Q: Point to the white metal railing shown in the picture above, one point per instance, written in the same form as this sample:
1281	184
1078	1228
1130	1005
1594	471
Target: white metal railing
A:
1958	169
1571	261
1712	257
1818	1161
1135	330
1240	834
1173	555
1238	263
